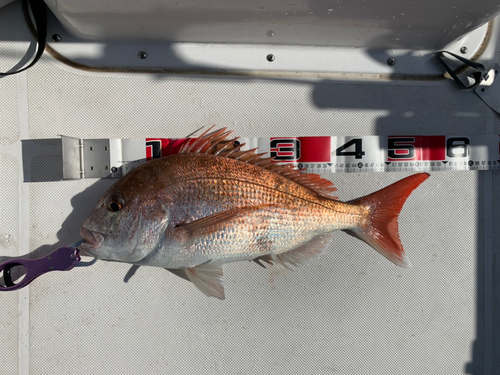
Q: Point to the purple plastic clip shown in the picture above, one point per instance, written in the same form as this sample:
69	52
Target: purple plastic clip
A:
63	259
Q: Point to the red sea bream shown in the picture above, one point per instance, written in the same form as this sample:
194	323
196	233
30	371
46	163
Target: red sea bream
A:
213	203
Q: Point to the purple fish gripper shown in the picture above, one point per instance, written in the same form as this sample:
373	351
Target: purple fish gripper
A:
63	259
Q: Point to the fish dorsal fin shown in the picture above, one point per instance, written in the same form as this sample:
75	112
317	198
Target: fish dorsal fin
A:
300	255
207	277
217	142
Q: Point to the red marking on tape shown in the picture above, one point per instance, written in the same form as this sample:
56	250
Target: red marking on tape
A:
315	149
161	147
402	152
416	147
155	147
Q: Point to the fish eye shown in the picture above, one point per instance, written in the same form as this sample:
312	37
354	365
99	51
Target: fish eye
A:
115	203
114	206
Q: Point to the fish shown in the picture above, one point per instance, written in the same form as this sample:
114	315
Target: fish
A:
215	203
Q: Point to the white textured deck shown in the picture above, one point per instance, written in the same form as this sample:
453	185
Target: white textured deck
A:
351	312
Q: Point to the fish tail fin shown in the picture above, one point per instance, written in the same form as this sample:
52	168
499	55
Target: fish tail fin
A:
381	230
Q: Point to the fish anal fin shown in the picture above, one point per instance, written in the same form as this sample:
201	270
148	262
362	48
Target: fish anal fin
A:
207	278
217	142
299	255
184	233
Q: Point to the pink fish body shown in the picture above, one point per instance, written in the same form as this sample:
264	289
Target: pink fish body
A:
213	203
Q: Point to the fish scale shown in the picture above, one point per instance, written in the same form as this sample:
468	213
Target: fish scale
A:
213	203
241	240
294	208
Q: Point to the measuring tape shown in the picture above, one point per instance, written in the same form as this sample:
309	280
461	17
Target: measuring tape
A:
97	158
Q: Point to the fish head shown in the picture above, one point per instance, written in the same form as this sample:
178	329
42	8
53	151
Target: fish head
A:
126	224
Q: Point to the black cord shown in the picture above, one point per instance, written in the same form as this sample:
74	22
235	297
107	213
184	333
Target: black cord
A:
39	10
478	75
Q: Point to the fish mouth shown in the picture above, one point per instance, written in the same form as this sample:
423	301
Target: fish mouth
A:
93	240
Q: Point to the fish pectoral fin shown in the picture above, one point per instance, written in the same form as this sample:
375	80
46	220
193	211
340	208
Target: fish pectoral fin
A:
208	278
301	254
183	233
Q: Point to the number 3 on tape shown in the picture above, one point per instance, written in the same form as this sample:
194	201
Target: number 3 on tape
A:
285	149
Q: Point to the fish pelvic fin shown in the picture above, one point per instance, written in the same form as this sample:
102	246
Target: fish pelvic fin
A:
381	229
207	278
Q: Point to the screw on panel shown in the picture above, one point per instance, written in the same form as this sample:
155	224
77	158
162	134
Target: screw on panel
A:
106	167
91	148
106	148
142	55
464	50
270	57
91	168
391	61
56	38
114	169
